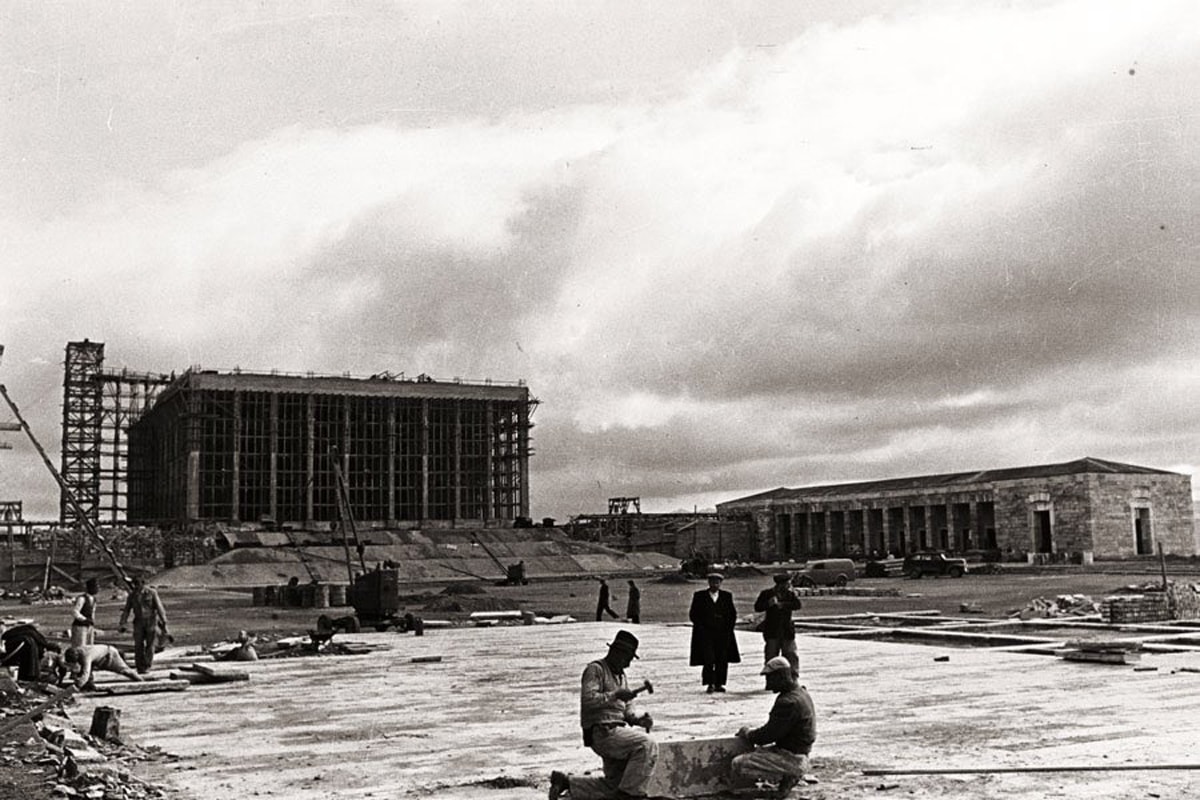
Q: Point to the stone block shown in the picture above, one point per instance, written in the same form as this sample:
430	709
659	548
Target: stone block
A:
695	767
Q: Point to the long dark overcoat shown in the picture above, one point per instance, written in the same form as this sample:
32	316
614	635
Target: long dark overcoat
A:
712	629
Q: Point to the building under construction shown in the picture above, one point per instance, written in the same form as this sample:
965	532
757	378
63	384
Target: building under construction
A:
294	450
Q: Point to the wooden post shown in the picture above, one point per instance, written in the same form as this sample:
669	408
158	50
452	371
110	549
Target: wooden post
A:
1162	563
106	724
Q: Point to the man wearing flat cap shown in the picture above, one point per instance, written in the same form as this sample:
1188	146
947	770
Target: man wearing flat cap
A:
714	646
614	728
778	629
782	745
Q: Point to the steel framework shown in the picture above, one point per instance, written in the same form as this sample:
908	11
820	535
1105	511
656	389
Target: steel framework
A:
99	405
81	432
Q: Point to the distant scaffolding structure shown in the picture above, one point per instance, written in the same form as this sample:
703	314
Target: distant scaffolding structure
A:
248	447
81	431
99	406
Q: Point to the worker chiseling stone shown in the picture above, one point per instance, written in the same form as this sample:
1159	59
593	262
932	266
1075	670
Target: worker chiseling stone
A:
614	728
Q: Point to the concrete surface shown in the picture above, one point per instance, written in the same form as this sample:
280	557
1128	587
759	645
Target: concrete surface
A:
501	710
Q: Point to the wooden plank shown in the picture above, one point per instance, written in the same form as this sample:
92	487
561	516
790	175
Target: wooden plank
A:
145	687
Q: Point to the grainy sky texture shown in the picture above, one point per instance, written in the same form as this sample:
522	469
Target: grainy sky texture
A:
730	246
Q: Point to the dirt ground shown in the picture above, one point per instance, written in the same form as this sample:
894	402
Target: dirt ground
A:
498	710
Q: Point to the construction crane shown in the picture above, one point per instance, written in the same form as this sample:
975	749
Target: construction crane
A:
82	516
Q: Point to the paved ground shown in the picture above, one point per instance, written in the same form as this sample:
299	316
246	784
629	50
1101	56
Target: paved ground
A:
500	711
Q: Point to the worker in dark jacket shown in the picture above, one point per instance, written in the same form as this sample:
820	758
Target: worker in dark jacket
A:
714	646
633	607
782	745
778	630
602	602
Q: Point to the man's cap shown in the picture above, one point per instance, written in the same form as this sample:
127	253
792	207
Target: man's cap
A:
776	664
716	576
783	577
624	640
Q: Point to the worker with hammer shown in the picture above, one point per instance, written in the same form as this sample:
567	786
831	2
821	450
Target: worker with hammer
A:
614	728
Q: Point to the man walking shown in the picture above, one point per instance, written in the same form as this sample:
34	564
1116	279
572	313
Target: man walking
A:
714	646
602	602
781	745
149	623
614	728
778	629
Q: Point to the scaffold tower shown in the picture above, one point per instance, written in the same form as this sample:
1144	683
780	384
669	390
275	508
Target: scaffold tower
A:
82	412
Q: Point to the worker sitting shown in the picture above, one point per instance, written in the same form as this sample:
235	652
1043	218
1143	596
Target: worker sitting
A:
783	744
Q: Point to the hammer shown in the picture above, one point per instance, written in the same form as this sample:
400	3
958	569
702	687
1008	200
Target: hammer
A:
646	686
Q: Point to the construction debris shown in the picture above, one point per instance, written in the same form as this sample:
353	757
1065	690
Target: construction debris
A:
1101	652
42	746
1065	605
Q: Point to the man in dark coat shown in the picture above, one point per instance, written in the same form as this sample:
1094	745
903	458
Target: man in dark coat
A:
778	630
633	608
714	646
602	602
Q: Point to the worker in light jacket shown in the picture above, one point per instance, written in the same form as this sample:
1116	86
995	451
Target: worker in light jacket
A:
149	623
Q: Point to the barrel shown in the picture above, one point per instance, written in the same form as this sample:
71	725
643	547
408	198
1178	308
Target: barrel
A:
257	595
269	595
337	594
320	592
308	595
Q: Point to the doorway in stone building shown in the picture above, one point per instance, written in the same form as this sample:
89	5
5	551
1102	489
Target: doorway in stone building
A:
1043	532
1142	540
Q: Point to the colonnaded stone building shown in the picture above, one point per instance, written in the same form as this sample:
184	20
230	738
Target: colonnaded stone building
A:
1078	510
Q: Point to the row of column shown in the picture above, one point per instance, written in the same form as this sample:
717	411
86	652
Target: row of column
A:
883	530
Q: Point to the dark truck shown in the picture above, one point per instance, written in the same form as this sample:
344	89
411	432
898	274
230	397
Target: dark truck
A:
934	562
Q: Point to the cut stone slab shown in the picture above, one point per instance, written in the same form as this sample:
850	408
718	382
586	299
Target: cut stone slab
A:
695	767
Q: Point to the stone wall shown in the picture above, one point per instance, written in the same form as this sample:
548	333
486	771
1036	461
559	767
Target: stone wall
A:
1169	500
1179	601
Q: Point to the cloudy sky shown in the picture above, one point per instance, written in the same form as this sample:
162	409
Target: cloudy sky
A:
730	246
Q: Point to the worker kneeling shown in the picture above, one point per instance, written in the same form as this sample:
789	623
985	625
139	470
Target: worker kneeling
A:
85	660
783	743
614	728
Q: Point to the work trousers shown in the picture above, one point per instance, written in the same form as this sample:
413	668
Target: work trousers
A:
145	636
82	634
785	648
629	755
771	763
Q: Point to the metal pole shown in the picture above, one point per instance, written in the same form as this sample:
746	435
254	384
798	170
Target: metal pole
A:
1066	768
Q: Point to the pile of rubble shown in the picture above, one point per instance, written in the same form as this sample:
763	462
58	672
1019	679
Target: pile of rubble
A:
1065	605
42	755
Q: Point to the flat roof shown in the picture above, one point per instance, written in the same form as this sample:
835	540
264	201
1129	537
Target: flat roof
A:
211	380
919	483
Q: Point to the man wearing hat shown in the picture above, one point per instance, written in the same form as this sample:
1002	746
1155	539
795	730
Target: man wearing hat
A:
781	745
778	630
714	645
614	728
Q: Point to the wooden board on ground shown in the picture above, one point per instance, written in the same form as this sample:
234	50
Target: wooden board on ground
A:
145	687
696	767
